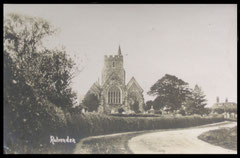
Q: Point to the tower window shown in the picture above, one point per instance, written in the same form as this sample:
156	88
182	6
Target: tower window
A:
113	64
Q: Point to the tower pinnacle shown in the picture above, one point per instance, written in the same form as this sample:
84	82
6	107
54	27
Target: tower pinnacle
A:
217	99
119	50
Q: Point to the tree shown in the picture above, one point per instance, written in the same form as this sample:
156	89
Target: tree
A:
57	70
196	102
48	72
34	78
182	112
207	111
148	105
231	109
133	101
135	106
219	110
158	103
171	92
91	101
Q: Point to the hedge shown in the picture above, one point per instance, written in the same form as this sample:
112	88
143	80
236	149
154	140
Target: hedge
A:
78	126
99	124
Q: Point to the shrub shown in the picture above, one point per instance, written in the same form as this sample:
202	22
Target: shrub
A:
135	115
219	110
121	110
91	101
97	124
158	112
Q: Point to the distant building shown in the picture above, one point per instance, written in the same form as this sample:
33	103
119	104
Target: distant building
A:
114	94
223	104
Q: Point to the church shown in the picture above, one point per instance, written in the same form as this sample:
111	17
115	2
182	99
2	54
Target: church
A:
113	92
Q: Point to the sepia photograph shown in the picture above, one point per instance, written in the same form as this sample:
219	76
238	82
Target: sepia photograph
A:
120	79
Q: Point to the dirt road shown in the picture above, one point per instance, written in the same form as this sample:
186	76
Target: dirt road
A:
181	141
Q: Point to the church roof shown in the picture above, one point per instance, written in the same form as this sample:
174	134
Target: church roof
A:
113	76
131	82
95	88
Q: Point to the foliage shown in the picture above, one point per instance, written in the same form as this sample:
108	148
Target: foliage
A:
219	110
98	124
76	110
135	115
91	101
231	109
171	92
158	112
47	71
158	104
134	103
148	105
120	110
196	102
37	89
207	111
182	112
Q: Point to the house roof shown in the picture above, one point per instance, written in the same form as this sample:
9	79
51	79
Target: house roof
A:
224	105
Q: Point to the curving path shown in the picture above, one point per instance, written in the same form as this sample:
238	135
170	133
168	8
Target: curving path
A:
180	141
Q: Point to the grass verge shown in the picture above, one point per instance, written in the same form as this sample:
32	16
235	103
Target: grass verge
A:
224	137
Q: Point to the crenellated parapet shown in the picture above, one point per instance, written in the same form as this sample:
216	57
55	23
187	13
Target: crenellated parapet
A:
111	58
113	64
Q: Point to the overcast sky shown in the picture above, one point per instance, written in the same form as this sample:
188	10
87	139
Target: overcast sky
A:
197	43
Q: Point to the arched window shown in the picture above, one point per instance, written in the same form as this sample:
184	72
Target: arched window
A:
113	64
114	95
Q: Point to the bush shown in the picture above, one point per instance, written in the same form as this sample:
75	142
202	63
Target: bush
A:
121	110
91	101
158	112
219	110
98	124
134	115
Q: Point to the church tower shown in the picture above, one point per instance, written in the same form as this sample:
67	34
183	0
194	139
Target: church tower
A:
114	94
113	65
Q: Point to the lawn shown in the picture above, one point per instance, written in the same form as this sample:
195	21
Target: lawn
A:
224	137
106	145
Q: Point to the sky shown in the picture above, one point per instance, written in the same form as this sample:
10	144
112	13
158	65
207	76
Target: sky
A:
197	43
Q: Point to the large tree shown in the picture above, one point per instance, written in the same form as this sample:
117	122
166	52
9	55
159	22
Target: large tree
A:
170	92
196	102
56	69
36	83
48	72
